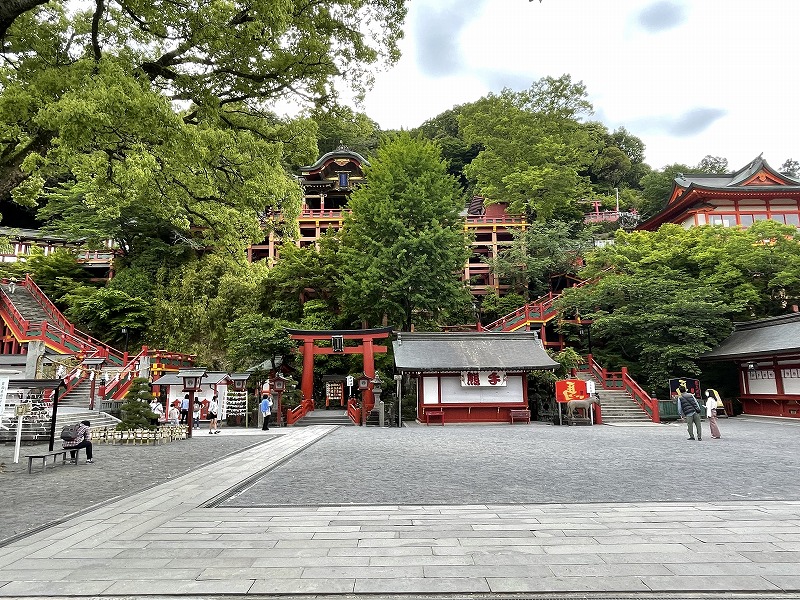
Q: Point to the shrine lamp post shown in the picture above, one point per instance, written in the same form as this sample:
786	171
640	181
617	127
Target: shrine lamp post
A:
279	385
191	383
239	383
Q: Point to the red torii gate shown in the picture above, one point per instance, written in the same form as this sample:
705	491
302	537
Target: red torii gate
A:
337	338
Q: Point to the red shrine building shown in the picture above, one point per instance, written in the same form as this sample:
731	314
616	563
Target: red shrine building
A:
327	185
767	355
756	192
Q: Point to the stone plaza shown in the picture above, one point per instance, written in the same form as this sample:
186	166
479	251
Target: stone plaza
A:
495	511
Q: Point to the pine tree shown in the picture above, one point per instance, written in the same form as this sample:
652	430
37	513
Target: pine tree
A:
136	413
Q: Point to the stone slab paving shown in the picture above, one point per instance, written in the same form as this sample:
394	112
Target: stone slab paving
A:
201	534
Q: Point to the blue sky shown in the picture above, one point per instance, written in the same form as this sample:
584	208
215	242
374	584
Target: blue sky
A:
689	77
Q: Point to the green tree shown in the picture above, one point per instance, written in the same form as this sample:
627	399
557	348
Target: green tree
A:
535	148
403	243
712	164
657	186
253	338
665	297
114	114
107	311
541	251
136	413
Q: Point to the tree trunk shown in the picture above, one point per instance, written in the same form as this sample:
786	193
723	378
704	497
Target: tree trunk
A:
11	9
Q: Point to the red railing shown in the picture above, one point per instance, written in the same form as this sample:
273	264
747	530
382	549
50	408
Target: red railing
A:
298	412
621	380
48	307
116	388
353	411
539	311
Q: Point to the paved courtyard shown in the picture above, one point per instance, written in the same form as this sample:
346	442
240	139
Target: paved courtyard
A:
494	511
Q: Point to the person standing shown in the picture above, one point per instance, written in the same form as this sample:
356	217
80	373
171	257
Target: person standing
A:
185	410
213	408
157	410
266	411
196	413
712	400
174	414
82	440
689	408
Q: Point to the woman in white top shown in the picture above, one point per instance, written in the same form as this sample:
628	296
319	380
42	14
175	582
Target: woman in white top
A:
213	407
157	410
712	397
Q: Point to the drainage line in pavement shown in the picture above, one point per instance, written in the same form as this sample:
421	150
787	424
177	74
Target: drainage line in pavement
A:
232	491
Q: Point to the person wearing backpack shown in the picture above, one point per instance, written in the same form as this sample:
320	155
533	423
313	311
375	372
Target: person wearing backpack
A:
266	411
689	408
82	439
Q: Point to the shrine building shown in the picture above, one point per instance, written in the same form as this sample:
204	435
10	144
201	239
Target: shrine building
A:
327	185
470	377
767	355
756	192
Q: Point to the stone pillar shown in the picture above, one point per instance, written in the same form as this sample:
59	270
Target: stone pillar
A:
36	350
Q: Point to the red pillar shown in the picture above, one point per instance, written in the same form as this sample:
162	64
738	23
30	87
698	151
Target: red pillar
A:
307	383
369	372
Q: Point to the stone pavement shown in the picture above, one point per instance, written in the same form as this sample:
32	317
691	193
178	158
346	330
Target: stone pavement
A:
225	529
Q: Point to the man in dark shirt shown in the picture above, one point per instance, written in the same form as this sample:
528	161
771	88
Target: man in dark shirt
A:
689	407
82	440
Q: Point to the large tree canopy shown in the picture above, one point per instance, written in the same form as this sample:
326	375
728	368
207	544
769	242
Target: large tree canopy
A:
665	297
115	112
535	148
404	243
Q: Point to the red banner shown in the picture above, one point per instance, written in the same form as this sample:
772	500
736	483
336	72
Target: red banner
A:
571	389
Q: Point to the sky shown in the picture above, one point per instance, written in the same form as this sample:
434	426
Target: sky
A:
688	77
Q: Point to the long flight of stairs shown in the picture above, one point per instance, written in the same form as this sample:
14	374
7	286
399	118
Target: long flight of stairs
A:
617	406
28	307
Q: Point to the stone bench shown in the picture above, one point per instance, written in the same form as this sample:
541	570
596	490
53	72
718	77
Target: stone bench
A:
55	454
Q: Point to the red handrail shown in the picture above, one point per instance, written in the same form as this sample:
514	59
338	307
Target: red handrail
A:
48	307
119	384
353	411
615	380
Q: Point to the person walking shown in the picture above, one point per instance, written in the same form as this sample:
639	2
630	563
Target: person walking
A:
266	411
689	408
82	440
712	401
213	408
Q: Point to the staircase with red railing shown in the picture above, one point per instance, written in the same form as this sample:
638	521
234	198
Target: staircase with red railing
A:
29	315
622	383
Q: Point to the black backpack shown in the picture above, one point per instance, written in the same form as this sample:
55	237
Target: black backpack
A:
70	432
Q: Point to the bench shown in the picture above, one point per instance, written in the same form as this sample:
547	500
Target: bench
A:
433	413
45	455
519	415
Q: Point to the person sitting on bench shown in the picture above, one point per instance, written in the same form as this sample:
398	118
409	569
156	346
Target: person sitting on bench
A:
82	440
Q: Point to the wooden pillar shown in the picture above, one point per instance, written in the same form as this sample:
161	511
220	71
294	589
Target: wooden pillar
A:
369	372
307	383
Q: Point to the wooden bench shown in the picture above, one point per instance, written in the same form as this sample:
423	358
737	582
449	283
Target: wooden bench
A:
45	455
519	415
433	413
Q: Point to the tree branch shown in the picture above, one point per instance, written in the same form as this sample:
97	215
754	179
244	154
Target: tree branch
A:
10	10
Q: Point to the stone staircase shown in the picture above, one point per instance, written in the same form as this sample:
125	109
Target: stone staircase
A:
617	406
321	416
28	307
36	428
80	395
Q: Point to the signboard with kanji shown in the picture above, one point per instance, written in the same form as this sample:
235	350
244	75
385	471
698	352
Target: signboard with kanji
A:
692	386
483	379
571	389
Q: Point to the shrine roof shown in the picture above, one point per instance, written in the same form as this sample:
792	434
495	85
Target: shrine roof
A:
339	153
211	378
764	337
470	351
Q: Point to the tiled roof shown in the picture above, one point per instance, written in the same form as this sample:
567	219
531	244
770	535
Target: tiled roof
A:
765	337
470	351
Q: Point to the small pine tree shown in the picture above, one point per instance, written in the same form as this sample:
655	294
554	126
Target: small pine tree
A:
136	413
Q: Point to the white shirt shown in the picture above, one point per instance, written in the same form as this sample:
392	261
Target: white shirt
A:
711	404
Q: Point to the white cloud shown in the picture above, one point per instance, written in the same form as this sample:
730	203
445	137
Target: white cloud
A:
686	76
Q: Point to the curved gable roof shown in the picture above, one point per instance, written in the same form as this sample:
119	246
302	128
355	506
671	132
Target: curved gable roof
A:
337	154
